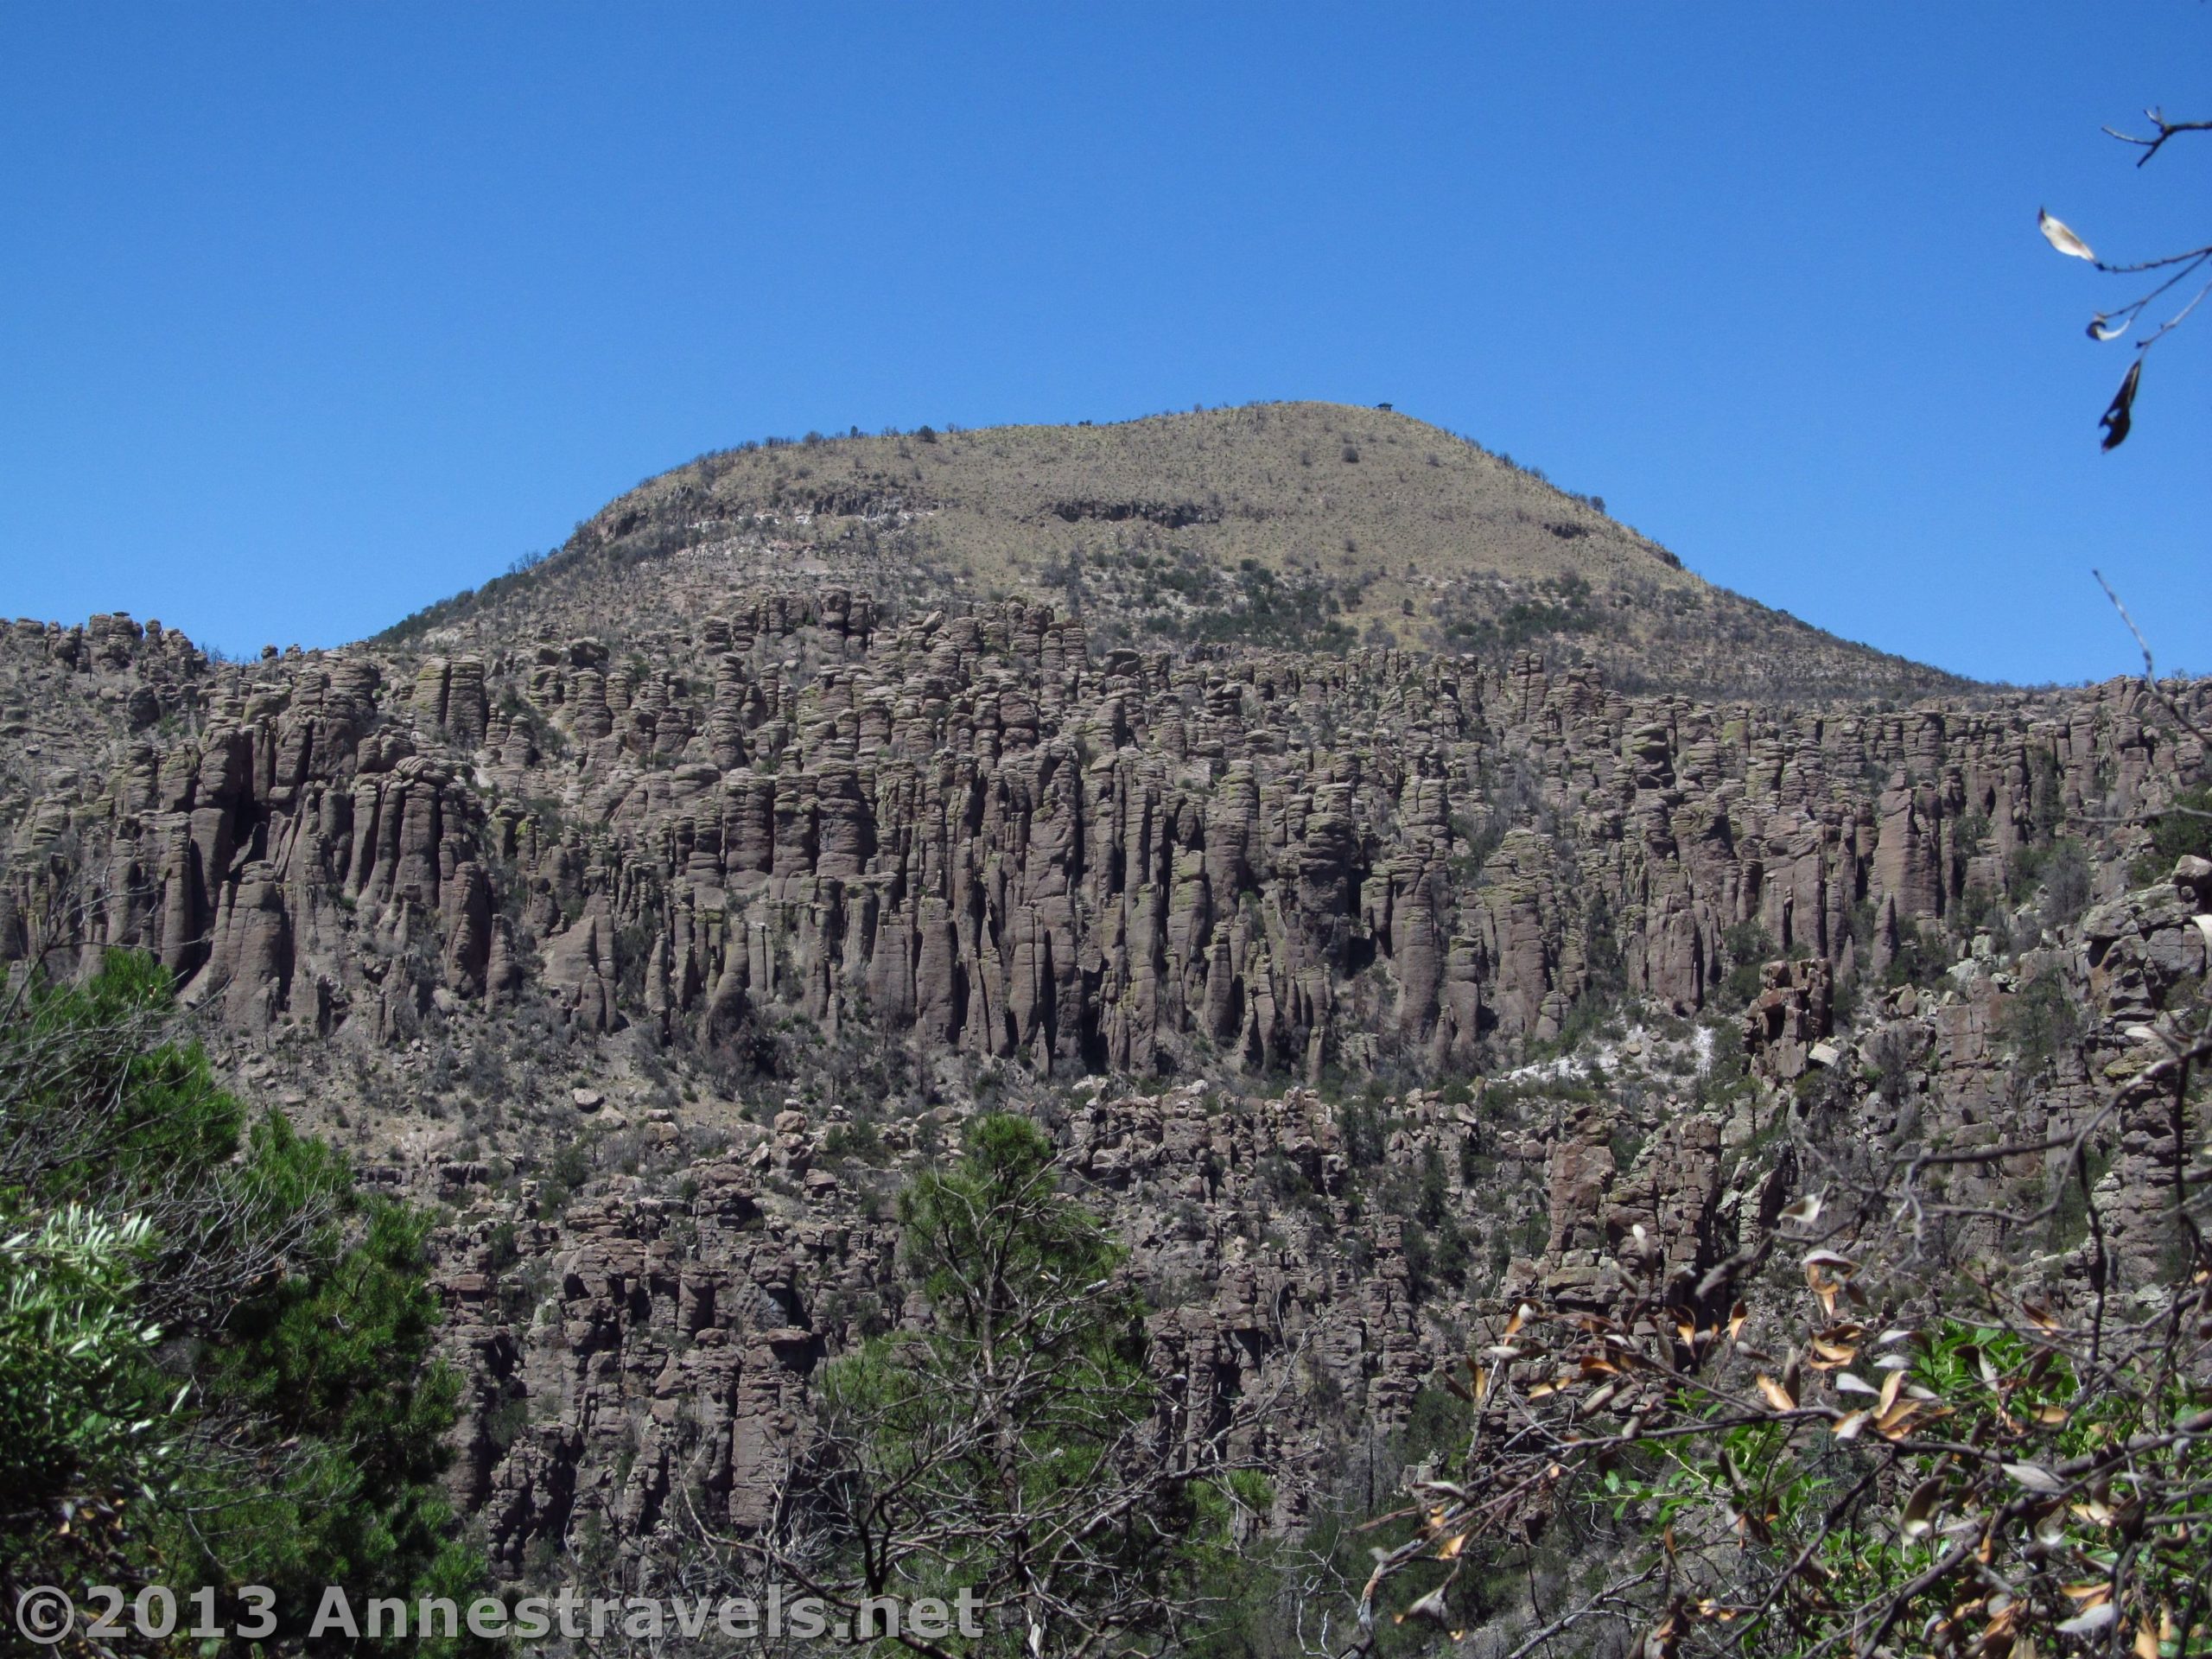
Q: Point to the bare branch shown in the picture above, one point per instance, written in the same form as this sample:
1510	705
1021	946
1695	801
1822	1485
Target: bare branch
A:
2165	129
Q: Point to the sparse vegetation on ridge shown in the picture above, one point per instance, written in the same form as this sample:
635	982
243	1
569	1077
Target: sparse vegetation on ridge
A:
1163	530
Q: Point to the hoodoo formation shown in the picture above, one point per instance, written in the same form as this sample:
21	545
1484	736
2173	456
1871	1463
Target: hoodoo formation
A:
1397	885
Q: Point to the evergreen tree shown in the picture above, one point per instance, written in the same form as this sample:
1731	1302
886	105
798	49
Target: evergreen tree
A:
214	1352
1012	1448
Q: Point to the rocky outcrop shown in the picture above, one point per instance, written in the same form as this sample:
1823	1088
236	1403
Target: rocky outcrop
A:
811	880
658	1336
964	831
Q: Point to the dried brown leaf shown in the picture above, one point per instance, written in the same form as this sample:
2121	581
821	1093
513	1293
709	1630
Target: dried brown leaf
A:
2056	231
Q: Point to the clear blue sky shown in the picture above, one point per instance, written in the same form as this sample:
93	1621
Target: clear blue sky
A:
310	315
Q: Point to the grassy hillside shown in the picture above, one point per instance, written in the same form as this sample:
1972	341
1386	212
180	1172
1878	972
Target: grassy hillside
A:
1313	525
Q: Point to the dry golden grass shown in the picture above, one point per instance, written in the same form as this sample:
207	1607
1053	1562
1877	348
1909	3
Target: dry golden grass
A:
1315	525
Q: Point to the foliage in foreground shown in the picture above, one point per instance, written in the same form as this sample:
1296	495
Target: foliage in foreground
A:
1013	1445
1918	1458
213	1351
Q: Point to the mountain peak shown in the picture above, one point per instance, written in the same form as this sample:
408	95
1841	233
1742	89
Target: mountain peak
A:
1319	525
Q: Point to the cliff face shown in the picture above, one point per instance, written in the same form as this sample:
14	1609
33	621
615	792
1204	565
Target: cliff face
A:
643	1360
752	909
969	834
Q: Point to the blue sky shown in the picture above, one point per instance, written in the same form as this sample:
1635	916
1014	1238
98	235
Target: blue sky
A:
311	314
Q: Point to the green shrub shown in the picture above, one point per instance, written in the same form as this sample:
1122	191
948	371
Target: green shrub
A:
214	1353
1746	948
2040	1024
1921	957
2183	831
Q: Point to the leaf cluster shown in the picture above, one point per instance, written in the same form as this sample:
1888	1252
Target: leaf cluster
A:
214	1352
1012	1441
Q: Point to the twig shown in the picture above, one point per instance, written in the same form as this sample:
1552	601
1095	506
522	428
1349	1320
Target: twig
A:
2166	130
